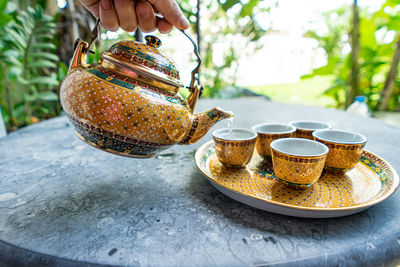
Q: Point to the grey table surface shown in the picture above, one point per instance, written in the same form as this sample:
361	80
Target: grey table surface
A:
64	203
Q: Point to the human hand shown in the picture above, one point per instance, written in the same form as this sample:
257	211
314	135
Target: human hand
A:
130	14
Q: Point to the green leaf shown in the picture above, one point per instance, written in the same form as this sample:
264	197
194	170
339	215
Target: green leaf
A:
44	80
328	69
229	3
22	30
62	71
11	59
29	98
42	63
44	36
11	7
44	96
44	55
44	110
394	23
4	19
367	33
3	5
247	9
26	20
47	96
46	31
21	80
48	25
16	37
44	46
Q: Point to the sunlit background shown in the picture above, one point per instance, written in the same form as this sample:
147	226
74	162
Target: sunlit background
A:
290	51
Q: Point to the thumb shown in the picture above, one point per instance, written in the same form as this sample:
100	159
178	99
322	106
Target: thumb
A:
171	12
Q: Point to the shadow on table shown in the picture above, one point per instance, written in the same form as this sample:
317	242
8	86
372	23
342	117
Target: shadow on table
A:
357	225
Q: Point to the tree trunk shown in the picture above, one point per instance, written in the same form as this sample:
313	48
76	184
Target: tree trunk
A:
390	78
355	52
51	7
83	23
8	95
74	23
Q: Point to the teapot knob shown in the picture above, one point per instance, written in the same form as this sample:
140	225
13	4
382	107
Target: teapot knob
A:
153	41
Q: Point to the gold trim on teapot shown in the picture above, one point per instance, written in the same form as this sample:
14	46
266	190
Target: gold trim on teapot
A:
128	103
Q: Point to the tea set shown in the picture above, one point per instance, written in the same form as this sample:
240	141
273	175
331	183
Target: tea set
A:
299	151
128	103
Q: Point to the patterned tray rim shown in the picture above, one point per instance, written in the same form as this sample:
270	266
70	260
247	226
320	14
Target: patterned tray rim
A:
390	190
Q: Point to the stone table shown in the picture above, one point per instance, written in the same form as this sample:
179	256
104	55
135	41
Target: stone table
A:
65	203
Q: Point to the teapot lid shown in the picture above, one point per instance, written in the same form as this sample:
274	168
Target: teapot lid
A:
145	59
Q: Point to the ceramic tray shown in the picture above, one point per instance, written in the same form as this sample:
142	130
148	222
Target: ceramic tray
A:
370	182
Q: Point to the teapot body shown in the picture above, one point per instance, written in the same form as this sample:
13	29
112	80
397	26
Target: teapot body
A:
128	103
122	115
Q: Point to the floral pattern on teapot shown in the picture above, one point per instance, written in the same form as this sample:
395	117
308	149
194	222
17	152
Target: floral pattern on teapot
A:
117	106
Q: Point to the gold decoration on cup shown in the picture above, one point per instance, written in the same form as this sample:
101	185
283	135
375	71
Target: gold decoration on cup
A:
298	162
269	132
304	129
345	148
234	148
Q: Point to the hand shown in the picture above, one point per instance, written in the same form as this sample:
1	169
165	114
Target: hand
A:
129	14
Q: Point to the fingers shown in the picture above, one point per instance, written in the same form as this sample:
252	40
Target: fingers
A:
171	12
108	16
126	14
145	16
92	6
164	26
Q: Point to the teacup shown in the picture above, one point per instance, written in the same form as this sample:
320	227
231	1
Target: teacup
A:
234	147
298	162
345	148
306	128
269	132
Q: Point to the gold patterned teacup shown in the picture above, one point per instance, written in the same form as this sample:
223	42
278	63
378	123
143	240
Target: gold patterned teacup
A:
298	162
306	128
345	148
234	147
269	132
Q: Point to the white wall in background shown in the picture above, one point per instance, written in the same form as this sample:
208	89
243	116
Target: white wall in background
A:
284	58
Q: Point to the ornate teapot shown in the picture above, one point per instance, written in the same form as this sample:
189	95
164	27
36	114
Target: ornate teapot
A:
128	103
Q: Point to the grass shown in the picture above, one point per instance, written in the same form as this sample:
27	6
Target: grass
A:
307	91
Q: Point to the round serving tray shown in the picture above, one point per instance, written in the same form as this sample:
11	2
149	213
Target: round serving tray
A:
369	183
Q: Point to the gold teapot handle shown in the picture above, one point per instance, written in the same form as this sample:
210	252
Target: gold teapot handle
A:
82	48
195	89
195	72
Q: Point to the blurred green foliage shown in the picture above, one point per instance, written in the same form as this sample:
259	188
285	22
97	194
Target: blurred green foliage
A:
228	23
30	69
378	35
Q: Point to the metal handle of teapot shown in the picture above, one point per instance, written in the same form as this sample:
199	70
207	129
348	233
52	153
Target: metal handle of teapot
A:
195	89
94	35
82	48
195	73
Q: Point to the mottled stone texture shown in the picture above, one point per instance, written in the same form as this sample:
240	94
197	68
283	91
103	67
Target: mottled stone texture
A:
64	203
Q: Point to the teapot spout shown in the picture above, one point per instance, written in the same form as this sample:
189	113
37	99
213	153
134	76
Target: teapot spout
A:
202	122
